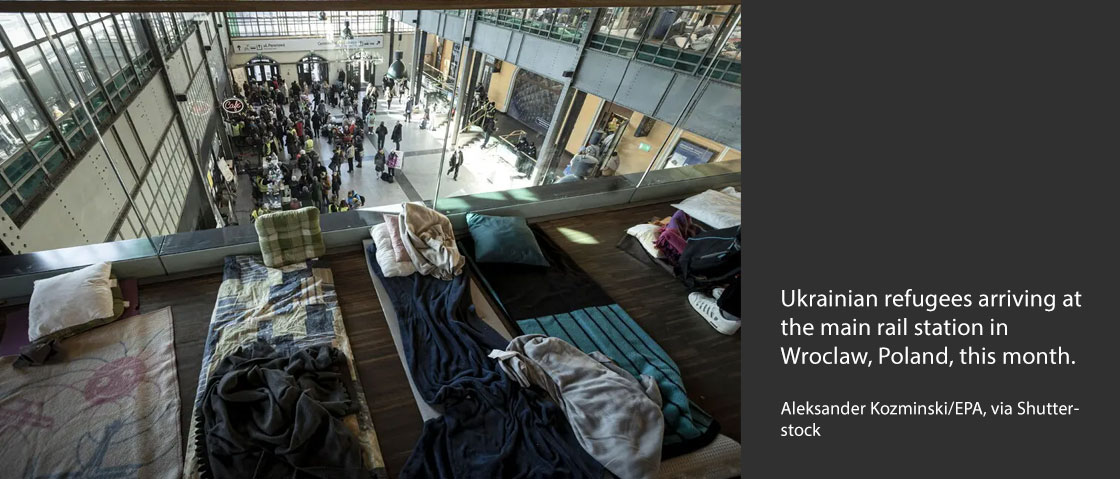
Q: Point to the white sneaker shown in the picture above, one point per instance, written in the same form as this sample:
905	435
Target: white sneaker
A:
706	306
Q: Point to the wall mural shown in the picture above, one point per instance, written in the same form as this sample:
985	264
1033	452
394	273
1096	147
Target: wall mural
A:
534	99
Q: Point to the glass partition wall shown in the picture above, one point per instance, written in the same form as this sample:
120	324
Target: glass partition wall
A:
124	129
619	125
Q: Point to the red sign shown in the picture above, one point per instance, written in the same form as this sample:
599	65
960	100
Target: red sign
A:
233	105
199	108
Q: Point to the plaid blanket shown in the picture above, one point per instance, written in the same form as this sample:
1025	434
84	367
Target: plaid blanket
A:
289	237
290	308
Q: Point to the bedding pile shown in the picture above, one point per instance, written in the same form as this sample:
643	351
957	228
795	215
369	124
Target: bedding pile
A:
490	426
430	241
563	301
277	415
616	418
106	406
290	308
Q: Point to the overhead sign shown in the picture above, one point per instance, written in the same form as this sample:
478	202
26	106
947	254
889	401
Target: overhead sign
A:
265	45
233	105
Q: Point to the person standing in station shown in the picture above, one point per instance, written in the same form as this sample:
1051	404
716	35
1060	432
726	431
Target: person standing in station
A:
397	135
381	132
336	184
408	110
350	157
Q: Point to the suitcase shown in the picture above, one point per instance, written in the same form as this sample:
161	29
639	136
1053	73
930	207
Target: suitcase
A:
387	177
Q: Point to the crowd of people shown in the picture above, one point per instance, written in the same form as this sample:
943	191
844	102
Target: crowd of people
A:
284	124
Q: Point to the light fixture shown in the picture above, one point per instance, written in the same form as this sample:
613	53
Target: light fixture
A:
397	70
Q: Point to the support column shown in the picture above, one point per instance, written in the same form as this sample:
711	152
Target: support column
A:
462	83
419	38
550	147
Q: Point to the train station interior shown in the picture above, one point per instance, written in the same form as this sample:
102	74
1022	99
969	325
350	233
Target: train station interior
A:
371	243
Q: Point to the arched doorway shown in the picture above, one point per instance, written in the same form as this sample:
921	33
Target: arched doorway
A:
363	66
312	69
261	69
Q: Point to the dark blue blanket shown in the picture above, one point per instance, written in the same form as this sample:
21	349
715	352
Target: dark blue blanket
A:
490	427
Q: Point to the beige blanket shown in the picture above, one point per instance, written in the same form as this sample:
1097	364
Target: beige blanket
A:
108	406
430	241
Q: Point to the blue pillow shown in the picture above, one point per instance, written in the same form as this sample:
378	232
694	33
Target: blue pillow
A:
504	239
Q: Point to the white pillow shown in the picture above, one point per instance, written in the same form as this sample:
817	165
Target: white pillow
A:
386	258
69	300
713	208
646	234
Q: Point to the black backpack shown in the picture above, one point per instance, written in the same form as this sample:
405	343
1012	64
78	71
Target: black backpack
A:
711	258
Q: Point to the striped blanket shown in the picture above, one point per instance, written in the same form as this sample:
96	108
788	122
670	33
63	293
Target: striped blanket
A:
610	330
290	307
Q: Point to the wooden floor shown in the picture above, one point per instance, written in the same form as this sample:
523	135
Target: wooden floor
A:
709	361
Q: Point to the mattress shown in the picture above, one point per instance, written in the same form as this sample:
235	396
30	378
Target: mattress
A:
719	457
488	316
489	426
289	308
562	300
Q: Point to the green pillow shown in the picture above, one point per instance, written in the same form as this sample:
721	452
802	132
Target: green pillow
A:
289	237
504	239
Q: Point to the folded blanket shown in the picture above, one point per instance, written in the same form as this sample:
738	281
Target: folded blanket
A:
267	414
615	417
430	241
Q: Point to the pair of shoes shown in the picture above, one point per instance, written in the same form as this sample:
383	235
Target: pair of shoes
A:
706	306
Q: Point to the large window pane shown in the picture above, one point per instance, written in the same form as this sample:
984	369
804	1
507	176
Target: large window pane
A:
15	169
54	101
111	56
12	205
18	102
43	146
78	60
133	32
9	139
34	184
60	21
98	59
54	162
16	29
37	29
59	70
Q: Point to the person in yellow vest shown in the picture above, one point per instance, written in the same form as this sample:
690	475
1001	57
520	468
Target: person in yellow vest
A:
257	212
308	143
